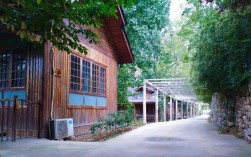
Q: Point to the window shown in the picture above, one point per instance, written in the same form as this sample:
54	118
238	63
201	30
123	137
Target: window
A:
93	77
102	83
18	71
12	69
75	73
86	76
4	69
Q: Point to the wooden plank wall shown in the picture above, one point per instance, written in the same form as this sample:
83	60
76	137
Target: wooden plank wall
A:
34	76
34	80
83	116
59	84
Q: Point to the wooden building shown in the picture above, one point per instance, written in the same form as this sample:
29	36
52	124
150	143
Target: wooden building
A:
67	86
137	101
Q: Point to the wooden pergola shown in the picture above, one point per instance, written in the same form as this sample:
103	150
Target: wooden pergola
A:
177	89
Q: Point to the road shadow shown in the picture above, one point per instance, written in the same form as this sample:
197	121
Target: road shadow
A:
164	139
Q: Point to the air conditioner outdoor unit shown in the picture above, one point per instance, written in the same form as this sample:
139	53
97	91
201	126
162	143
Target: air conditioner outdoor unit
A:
61	128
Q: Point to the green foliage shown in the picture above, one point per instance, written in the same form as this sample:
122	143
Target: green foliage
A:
60	21
147	23
120	119
177	61
222	44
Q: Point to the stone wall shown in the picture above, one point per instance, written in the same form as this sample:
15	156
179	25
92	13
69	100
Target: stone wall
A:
243	117
236	115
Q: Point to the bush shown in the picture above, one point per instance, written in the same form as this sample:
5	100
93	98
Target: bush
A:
113	121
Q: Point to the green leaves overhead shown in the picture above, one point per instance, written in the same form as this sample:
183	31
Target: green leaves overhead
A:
222	43
147	23
146	26
59	21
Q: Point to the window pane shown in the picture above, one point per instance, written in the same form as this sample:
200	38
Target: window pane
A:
5	57
75	73
86	76
18	69
102	83
95	78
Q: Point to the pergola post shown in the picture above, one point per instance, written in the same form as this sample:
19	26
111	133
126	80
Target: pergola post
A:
144	103
164	103
191	109
182	113
196	113
198	110
157	106
177	89
194	109
171	109
187	108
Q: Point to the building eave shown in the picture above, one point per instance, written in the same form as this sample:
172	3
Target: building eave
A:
116	28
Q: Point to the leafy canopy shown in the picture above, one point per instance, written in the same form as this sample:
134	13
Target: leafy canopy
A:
147	23
222	44
59	21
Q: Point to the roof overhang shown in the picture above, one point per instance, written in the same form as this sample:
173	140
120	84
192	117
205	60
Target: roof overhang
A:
119	38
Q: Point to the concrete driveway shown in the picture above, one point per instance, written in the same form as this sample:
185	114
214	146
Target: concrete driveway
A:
184	138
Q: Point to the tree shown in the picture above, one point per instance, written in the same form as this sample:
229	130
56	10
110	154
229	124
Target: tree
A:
59	21
147	24
177	61
222	44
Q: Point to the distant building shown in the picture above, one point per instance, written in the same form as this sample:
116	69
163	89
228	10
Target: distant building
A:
137	101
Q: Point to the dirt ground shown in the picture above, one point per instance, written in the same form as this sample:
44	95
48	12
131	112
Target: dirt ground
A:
102	136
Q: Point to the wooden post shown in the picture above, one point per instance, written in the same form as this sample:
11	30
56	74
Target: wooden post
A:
195	105
191	110
144	103
176	110
197	109
187	108
182	113
171	109
164	103
14	120
157	106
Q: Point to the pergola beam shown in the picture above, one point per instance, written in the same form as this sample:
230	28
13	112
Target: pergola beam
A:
178	89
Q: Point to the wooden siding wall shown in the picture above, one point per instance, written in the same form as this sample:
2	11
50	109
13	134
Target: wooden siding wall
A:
34	79
34	76
58	84
82	116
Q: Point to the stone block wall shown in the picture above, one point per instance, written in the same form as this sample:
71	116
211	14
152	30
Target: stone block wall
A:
243	117
236	115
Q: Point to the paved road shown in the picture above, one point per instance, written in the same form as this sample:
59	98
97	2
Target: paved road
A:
184	138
